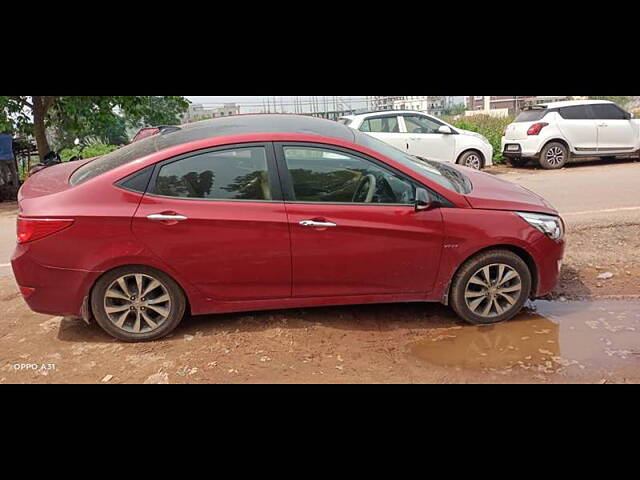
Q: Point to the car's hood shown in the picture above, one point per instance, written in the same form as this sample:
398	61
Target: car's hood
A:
492	193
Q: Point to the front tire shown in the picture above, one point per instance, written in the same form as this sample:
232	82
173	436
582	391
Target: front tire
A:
490	287
471	159
137	303
554	155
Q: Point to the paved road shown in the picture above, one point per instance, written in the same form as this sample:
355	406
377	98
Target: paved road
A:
7	236
586	194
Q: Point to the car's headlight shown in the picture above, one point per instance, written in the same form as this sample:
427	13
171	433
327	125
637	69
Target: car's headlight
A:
550	225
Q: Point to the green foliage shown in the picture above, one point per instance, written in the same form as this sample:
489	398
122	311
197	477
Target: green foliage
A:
457	109
492	128
95	150
92	119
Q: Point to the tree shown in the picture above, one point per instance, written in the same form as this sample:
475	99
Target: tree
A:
105	118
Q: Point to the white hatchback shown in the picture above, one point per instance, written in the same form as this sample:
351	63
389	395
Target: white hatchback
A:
554	133
425	136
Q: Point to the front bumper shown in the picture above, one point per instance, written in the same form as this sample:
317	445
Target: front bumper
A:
51	290
547	254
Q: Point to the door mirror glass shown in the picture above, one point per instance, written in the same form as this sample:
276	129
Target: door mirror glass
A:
423	200
445	130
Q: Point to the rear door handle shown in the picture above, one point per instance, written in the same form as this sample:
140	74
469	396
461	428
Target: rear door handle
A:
311	223
161	217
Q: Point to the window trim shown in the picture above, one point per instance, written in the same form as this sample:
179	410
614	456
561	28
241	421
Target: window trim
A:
272	171
289	192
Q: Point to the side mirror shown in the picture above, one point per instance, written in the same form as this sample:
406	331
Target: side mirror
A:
445	130
423	200
76	142
631	115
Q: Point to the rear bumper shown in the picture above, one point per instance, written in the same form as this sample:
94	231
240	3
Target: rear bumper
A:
548	256
521	148
51	290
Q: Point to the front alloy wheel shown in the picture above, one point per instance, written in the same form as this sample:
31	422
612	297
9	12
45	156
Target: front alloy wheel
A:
490	287
471	159
493	290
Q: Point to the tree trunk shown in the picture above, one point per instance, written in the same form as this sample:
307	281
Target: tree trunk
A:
40	108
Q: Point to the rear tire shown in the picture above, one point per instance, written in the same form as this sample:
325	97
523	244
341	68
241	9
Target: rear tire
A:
481	300
554	155
137	303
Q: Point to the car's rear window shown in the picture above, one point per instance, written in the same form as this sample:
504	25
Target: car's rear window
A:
115	159
531	115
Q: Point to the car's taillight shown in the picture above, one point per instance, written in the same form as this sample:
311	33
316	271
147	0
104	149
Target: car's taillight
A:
536	127
30	229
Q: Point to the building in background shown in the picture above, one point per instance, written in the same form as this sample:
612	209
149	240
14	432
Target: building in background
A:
502	106
434	105
197	111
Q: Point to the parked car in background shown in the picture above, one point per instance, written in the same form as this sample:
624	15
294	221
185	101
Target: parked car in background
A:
554	133
149	131
425	136
261	212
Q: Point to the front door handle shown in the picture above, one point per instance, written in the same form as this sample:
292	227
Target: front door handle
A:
603	125
161	217
311	223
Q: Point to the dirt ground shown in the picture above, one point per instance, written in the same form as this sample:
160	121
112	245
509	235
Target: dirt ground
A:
590	332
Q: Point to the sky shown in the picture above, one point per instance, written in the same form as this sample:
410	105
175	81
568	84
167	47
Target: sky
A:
258	103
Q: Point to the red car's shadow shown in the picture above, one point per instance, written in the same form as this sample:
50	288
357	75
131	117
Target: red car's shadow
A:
380	317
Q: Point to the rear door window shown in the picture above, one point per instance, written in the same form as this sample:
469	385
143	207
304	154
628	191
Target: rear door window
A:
576	112
387	124
237	174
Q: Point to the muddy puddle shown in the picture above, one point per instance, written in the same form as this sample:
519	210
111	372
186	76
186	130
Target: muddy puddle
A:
547	337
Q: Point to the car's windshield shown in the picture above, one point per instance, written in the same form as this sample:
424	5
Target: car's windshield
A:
440	173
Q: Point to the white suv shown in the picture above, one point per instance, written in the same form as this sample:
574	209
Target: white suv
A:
425	136
554	133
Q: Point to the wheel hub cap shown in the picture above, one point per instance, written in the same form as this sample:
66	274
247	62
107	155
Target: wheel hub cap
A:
493	290
137	303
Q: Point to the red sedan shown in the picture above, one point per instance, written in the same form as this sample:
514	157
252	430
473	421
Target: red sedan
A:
260	212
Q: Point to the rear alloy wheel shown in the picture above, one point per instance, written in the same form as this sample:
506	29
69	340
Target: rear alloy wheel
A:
554	155
491	287
137	304
471	159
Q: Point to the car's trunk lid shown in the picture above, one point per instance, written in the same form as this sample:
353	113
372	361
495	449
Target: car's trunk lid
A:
49	180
